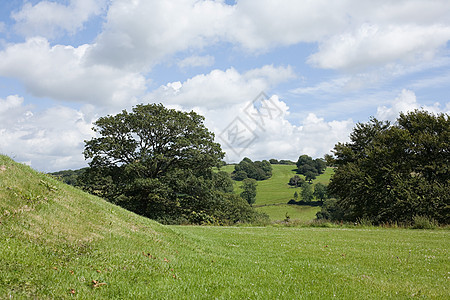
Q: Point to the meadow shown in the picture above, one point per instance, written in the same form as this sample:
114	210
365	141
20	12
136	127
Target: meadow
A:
59	242
274	193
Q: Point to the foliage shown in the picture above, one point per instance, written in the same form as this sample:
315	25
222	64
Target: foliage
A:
330	210
309	167
307	193
249	190
70	177
296	181
158	162
421	222
258	170
392	173
320	192
274	161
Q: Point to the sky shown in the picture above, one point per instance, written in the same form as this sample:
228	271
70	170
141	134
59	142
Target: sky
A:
273	78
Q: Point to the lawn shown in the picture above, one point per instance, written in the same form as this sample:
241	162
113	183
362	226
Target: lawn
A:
295	212
58	242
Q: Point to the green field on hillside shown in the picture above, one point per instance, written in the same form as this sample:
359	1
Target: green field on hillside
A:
59	242
276	190
274	193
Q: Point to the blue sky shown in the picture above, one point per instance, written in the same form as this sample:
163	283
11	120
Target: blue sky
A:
324	65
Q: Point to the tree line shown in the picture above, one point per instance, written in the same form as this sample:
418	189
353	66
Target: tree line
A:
162	163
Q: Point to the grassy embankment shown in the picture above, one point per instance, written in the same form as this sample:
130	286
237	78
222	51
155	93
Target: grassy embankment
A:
58	242
273	194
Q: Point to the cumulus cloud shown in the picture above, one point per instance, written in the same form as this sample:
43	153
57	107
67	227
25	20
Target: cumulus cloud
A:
372	45
241	134
49	140
138	34
60	72
407	102
351	35
51	19
222	88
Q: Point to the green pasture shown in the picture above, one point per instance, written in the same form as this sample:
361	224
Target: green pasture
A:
295	212
58	242
276	190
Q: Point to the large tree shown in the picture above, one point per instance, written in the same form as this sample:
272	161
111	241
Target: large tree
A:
391	173
157	162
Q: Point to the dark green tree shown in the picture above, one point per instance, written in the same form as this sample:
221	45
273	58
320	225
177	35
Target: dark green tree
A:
392	173
296	181
258	170
320	192
295	196
309	167
158	163
310	176
249	190
307	193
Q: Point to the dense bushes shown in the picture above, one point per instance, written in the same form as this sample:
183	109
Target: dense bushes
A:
258	170
393	173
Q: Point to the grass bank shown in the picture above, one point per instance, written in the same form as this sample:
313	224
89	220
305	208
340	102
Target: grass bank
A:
58	242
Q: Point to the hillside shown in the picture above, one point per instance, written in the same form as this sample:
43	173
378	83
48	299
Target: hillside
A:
274	193
58	242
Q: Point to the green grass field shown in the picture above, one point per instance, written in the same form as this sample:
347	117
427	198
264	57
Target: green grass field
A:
295	212
58	242
275	191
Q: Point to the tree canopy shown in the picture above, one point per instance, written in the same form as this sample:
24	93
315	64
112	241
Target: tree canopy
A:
158	162
394	172
258	170
309	167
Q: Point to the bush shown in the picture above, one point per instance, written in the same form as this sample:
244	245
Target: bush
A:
423	222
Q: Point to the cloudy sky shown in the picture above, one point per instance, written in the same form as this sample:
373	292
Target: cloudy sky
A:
274	79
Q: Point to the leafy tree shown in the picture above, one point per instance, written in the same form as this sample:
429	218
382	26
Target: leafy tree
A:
310	176
320	192
309	167
391	173
249	190
222	182
295	196
307	193
258	170
158	163
296	181
273	161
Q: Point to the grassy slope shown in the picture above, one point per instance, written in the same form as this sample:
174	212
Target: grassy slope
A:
56	238
275	193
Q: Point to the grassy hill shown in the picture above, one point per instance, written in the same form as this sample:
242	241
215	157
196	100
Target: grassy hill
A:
274	193
58	242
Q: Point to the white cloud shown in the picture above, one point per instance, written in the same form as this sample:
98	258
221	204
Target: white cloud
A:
196	61
60	72
373	45
277	138
49	140
352	35
51	19
139	34
407	102
222	88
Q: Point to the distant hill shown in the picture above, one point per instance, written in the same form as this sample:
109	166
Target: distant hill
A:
274	193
